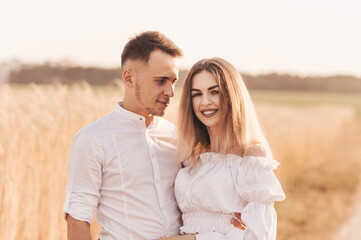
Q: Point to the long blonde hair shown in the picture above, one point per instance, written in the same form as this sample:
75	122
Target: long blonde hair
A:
240	128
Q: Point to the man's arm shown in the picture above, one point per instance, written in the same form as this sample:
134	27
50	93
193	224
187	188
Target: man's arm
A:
77	230
84	181
179	237
236	221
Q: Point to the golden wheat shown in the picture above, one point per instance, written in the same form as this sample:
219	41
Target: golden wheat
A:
38	124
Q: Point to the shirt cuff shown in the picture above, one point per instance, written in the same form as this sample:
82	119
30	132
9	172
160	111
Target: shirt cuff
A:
78	210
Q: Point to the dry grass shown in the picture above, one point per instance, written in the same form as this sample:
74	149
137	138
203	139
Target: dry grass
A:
317	148
320	166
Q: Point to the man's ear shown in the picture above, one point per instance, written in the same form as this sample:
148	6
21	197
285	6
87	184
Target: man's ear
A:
128	77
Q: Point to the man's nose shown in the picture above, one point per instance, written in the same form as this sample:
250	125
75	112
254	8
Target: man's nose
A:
169	90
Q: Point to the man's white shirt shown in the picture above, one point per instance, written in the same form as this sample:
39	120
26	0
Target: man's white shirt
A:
124	172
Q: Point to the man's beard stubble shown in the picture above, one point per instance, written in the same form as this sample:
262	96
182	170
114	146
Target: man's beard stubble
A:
150	110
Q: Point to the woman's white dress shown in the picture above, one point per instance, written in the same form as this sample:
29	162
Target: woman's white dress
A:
223	184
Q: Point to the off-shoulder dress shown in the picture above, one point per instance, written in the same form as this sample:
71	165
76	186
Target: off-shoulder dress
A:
222	184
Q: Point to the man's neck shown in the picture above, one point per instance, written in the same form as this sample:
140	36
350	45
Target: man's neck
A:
148	117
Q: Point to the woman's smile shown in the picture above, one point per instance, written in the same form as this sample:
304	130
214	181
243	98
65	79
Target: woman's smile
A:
208	113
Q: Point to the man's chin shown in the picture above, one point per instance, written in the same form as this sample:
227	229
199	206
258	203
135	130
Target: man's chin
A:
158	113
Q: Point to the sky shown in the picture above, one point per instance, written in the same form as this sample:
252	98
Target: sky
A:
308	37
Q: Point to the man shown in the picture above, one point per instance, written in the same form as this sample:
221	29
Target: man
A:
122	166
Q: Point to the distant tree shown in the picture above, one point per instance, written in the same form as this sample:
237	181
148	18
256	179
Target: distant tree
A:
51	74
68	73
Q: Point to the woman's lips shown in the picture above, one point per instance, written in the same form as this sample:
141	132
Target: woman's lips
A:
208	113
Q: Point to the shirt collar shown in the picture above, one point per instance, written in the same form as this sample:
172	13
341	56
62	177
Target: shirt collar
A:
133	116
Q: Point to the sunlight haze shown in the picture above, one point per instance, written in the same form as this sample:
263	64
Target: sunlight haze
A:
297	37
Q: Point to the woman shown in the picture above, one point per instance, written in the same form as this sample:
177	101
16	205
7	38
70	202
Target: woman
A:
229	165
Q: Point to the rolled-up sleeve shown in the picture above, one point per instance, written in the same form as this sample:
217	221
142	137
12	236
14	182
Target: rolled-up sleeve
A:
84	177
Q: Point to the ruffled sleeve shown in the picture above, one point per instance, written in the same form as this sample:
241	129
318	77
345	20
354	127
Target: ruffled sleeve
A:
257	184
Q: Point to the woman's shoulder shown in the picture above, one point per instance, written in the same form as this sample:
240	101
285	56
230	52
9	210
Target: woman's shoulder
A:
256	150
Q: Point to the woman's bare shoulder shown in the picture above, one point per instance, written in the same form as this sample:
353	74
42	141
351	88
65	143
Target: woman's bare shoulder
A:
256	150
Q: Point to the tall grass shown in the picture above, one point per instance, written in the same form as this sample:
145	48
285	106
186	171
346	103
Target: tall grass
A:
317	148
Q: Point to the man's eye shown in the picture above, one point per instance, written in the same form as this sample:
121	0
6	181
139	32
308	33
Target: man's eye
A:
161	81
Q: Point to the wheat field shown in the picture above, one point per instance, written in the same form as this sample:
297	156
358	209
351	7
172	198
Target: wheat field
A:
318	148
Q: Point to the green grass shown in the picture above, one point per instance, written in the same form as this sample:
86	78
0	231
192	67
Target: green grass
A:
308	99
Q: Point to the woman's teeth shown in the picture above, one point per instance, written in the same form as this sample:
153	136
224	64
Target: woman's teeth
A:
209	112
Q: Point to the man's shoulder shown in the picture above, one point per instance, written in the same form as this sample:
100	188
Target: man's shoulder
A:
99	125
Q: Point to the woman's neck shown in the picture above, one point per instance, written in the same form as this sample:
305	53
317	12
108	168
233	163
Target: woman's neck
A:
212	132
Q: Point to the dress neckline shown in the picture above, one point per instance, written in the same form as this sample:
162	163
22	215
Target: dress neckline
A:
230	159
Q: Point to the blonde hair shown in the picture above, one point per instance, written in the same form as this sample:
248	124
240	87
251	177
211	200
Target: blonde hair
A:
240	128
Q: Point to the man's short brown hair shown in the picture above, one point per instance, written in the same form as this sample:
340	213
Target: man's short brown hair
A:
142	45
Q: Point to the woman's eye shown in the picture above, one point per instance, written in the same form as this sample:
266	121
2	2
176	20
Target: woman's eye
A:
215	92
196	94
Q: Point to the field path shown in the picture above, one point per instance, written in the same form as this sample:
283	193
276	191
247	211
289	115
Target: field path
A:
351	228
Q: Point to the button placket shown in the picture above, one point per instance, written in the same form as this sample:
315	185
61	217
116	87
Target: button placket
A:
156	176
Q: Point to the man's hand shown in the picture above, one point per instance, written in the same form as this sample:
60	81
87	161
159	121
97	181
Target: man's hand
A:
77	230
237	222
179	237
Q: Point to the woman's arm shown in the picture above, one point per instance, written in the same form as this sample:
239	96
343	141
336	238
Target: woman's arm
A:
260	188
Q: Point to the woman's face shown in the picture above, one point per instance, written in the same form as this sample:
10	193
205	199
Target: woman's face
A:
205	99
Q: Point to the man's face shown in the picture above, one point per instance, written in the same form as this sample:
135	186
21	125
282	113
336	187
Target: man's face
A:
154	85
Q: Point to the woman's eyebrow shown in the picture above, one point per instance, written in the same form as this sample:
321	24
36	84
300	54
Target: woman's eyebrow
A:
210	88
215	86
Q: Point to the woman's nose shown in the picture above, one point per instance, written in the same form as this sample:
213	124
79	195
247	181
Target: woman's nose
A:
206	100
